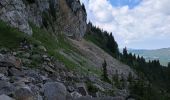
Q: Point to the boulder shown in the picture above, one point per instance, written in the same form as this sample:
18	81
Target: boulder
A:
6	87
4	70
10	61
54	91
82	88
48	69
75	95
5	97
23	93
15	72
3	77
34	75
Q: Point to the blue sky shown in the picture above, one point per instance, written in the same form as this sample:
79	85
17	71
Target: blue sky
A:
138	24
120	3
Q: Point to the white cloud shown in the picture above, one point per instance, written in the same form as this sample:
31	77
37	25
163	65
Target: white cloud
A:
151	18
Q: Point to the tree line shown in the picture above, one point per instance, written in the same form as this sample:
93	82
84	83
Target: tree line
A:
153	77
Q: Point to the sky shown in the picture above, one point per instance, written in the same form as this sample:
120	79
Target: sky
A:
137	24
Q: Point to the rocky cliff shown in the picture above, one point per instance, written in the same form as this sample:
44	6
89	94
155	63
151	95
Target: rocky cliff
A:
66	16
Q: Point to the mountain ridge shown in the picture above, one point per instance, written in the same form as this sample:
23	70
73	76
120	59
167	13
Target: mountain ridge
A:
162	54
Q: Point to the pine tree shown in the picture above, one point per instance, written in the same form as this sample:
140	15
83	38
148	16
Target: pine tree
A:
105	74
125	53
169	64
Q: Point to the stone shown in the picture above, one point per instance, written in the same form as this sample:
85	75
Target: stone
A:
10	61
3	77
15	61
15	72
35	75
49	69
75	95
70	88
54	91
82	88
5	97
6	87
23	93
42	48
4	70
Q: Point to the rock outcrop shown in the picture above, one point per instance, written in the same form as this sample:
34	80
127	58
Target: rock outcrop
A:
67	16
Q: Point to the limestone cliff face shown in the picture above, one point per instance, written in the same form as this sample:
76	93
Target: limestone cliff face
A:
67	16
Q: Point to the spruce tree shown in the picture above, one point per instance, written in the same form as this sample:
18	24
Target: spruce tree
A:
105	74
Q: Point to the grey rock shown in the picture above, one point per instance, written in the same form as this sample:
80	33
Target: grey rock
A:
82	88
54	91
10	61
75	95
13	12
5	97
4	70
6	88
48	69
3	77
70	88
15	72
18	14
23	93
35	75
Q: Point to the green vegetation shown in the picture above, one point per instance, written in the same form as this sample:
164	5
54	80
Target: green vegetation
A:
102	39
10	37
154	79
105	74
92	89
54	44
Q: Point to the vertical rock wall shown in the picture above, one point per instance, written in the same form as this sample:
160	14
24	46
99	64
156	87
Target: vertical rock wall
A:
66	16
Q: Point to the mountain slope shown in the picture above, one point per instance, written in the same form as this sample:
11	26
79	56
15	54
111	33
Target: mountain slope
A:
96	56
43	59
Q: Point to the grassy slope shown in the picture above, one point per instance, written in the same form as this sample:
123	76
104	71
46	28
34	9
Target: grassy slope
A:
57	46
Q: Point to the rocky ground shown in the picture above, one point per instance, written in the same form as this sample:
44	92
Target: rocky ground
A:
22	78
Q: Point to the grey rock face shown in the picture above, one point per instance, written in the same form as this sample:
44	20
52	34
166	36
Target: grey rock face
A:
13	12
55	91
55	15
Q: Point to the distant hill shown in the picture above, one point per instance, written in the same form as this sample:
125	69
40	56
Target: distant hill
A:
162	54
